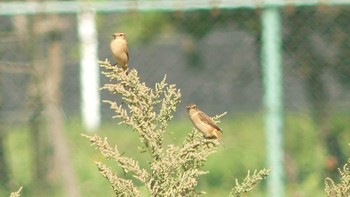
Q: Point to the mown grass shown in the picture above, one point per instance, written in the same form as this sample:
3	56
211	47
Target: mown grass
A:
244	150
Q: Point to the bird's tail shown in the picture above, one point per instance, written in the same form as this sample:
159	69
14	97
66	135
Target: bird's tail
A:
218	136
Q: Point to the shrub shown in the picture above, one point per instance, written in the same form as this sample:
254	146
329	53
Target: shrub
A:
173	169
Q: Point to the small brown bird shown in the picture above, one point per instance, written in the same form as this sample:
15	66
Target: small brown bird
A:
203	123
119	48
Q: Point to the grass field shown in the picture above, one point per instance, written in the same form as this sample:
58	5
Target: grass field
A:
245	150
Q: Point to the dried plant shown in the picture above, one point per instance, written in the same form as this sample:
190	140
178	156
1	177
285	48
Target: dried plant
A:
174	169
249	182
341	189
17	193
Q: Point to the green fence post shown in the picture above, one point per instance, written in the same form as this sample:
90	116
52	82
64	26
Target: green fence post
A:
271	56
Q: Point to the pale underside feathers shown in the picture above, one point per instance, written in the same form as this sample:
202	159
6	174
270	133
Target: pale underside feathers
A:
204	124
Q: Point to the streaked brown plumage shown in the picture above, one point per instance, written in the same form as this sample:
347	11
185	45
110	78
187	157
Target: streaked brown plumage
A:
119	48
203	123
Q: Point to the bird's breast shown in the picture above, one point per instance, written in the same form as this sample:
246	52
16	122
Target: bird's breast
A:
118	46
200	125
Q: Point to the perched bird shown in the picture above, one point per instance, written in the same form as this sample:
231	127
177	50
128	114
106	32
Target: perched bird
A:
119	48
203	123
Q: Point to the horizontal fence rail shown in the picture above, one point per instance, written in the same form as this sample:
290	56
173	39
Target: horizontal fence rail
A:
15	8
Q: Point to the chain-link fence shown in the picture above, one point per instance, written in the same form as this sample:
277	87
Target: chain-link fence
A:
213	56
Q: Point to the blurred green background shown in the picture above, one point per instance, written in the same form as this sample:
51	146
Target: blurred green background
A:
245	150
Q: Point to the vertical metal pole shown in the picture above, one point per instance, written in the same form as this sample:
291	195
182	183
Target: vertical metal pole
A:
89	70
271	56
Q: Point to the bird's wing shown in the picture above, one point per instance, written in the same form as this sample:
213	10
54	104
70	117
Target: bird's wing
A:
127	53
204	118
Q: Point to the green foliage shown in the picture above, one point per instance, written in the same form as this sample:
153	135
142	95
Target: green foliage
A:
227	164
173	169
339	189
143	27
